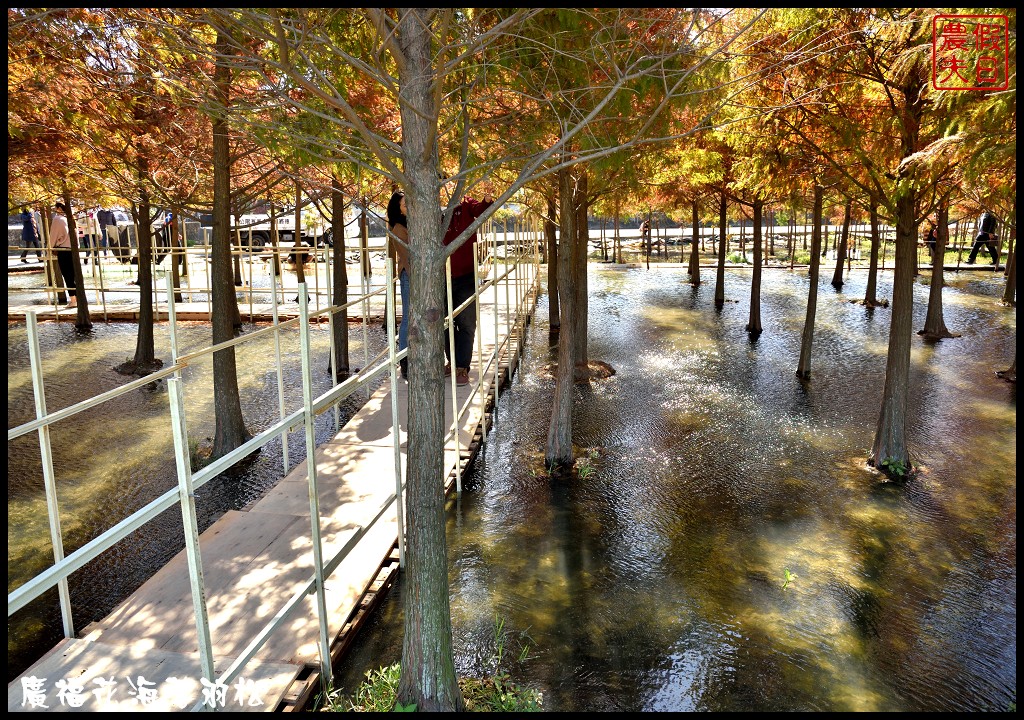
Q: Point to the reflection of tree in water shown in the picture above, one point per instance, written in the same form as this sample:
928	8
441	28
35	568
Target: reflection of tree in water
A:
661	583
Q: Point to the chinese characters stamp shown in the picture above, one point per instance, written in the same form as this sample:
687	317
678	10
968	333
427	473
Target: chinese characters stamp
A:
970	52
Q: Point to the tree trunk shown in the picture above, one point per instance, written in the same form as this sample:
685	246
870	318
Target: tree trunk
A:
339	277
559	452
754	323
791	240
364	242
842	249
803	370
53	276
298	250
870	297
695	246
934	325
1010	374
275	246
236	261
176	251
889	452
230	430
618	238
579	271
428	677
649	240
551	237
722	240
83	321
145	361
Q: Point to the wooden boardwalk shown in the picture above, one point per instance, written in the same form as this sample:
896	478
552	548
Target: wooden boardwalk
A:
253	560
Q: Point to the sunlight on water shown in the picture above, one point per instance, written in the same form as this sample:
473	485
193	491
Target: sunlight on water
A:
658	581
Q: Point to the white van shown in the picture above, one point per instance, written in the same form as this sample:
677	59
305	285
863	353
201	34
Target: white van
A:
315	231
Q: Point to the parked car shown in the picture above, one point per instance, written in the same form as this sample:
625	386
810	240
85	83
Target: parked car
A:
257	226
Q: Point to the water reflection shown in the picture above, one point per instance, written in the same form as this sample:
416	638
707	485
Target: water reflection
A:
115	458
658	581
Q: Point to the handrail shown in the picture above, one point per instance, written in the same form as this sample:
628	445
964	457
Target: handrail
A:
183	494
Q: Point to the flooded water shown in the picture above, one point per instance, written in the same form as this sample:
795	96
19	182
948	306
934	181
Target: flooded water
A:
113	459
725	547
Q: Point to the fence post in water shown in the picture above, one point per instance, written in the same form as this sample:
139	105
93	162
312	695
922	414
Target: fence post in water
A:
309	420
102	291
46	455
277	364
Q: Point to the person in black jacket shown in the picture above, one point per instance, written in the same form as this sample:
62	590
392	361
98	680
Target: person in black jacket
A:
29	233
105	218
986	238
931	238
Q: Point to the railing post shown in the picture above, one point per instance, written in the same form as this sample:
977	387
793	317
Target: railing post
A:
277	365
479	340
46	455
396	422
452	376
331	319
186	494
497	329
309	420
187	500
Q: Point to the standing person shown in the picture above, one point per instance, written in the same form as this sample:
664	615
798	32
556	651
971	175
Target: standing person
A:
105	218
398	226
29	233
645	230
60	243
464	284
986	238
92	236
930	238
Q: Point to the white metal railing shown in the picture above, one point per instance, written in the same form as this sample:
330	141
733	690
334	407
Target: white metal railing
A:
519	276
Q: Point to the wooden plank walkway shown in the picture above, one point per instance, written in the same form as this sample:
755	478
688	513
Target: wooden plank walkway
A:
253	561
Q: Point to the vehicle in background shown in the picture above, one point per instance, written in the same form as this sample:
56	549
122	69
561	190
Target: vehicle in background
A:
255	227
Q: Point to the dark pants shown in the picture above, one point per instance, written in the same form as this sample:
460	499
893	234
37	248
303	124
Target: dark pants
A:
463	288
980	242
91	244
30	244
67	268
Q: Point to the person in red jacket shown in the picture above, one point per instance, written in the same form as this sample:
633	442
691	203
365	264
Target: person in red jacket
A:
463	262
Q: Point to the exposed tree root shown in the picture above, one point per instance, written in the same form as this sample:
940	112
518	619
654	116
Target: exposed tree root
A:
141	369
594	370
944	333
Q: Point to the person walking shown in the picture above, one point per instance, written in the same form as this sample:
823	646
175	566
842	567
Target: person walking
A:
986	238
29	234
60	243
398	228
463	262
